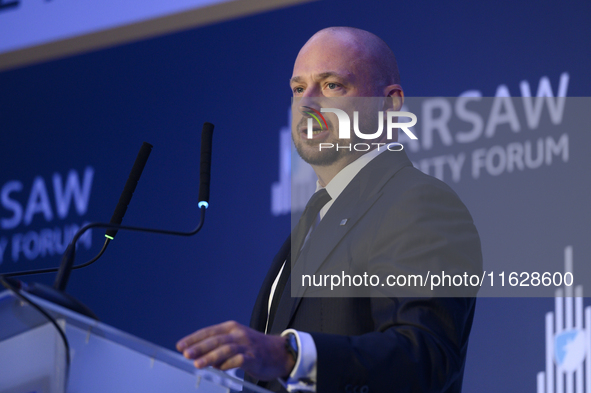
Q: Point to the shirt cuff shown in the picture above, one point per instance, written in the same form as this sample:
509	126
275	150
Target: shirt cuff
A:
303	375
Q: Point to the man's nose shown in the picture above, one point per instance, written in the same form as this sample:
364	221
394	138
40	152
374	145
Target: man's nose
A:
307	102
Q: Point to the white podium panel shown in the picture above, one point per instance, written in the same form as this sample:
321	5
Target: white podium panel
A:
33	361
103	359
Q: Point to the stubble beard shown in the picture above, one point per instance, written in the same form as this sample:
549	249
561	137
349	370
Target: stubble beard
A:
310	152
309	149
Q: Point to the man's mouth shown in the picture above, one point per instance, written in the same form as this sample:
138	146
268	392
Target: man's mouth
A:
317	133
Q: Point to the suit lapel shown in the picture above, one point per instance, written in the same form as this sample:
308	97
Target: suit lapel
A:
353	203
315	252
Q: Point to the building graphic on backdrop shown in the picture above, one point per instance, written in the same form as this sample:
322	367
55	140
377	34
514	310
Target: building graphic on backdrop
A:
568	341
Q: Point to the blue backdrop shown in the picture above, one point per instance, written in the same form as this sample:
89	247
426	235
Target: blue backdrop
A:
70	130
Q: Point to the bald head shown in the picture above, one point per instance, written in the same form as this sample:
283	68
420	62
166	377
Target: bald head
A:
341	62
372	52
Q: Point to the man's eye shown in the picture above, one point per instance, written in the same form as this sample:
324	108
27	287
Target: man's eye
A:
332	86
298	90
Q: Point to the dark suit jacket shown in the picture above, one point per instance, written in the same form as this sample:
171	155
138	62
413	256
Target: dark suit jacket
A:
399	220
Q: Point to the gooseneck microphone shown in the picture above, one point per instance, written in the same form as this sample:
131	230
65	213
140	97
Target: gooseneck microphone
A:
120	209
205	164
57	294
67	263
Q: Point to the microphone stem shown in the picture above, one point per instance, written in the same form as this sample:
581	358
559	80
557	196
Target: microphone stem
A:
67	263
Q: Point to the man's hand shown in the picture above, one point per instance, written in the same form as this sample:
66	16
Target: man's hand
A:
231	345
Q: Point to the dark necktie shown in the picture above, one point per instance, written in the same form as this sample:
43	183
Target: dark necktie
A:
298	236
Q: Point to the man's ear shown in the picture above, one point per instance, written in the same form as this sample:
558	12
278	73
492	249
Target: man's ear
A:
394	98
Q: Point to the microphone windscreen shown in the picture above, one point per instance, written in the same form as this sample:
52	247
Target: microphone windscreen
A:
205	164
130	185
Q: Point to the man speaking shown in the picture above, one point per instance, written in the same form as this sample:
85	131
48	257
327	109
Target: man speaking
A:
373	210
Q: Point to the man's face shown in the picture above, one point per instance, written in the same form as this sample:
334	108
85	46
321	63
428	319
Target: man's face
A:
328	66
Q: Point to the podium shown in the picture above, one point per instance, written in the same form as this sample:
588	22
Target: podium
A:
103	359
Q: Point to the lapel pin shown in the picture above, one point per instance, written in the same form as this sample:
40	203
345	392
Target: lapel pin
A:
344	221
